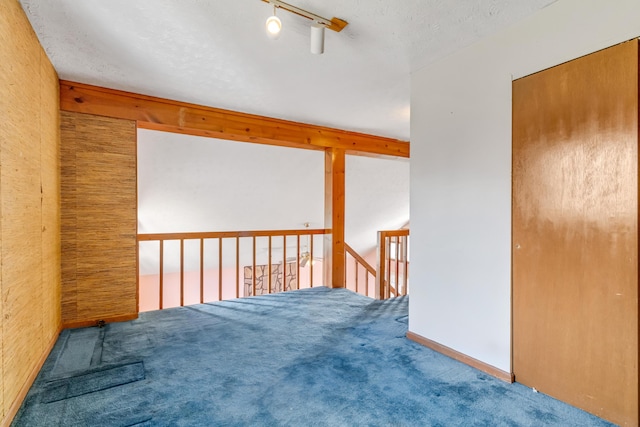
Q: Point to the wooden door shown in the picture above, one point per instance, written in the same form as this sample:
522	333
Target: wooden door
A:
575	232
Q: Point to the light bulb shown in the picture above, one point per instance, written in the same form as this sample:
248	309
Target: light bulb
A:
274	25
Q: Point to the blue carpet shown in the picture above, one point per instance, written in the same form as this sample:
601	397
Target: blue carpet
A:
315	357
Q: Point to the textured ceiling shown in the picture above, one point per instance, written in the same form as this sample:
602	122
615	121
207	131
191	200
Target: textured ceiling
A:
216	52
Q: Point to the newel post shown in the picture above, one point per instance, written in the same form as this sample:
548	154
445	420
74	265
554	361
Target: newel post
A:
334	197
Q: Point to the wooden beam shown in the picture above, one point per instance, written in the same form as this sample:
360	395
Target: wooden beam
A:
180	117
334	206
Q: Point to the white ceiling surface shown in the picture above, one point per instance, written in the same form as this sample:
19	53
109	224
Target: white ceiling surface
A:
216	52
189	183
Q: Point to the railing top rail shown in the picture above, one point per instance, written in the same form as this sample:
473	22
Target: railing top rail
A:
361	260
401	232
228	234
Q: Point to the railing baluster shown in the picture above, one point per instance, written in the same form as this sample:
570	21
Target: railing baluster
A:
311	261
405	246
185	286
201	271
269	267
253	274
284	263
360	261
401	291
344	262
181	272
237	267
161	284
389	284
381	275
298	262
366	283
397	270
355	265
220	269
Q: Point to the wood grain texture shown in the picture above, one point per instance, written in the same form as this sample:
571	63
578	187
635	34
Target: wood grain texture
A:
68	222
50	184
99	221
231	234
29	141
334	214
173	116
35	370
20	206
575	232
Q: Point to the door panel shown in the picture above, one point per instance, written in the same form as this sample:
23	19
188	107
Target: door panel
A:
575	233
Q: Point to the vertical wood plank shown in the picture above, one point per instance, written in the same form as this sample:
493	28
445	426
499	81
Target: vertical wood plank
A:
254	272
310	237
366	282
50	204
387	281
397	265
575	232
334	214
181	272
298	261
220	269
201	271
284	263
68	222
355	265
237	267
381	266
161	275
405	276
269	267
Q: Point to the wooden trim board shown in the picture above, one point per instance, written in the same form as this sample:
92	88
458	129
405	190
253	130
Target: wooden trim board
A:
180	117
15	406
460	357
94	322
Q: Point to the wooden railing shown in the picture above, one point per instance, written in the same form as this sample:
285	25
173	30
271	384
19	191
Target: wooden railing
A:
238	249
300	255
360	268
392	264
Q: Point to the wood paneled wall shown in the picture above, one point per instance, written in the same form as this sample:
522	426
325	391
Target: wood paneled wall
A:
30	207
99	219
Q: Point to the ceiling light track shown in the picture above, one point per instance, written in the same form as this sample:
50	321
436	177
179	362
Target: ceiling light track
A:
334	24
274	25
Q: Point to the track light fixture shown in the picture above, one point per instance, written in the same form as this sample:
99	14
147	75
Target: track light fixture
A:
317	38
274	25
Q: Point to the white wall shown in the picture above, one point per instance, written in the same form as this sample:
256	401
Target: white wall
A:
376	198
189	183
461	170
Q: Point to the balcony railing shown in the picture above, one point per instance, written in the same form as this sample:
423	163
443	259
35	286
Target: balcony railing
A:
392	278
359	271
188	268
266	268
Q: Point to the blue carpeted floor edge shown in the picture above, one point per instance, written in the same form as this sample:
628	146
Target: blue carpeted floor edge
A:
314	357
